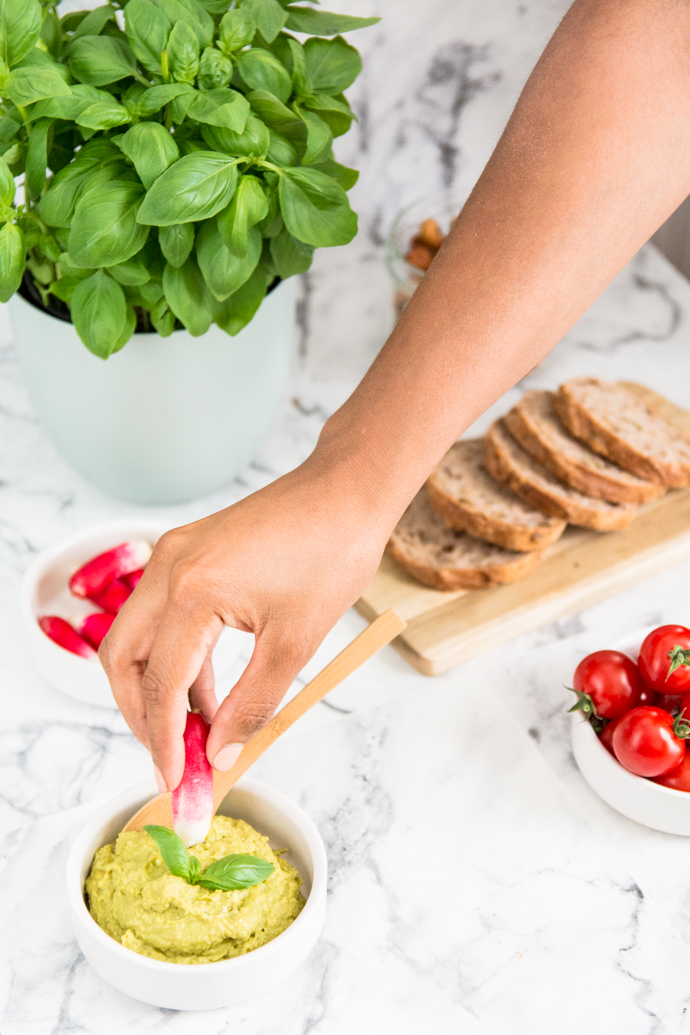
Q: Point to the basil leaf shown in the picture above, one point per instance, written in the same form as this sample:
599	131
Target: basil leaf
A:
12	260
103	115
239	871
228	109
8	187
300	76
131	273
20	27
289	255
64	288
345	176
183	52
322	23
32	83
332	65
214	69
336	114
194	869
319	137
71	105
253	140
153	100
163	318
99	315
196	187
193	14
281	152
172	848
262	71
236	311
223	271
95	163
268	15
147	29
101	60
104	230
37	157
185	293
237	29
247	208
152	150
315	208
176	242
275	114
95	21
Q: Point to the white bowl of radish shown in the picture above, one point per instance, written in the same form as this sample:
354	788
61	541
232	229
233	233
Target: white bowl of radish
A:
637	797
206	986
64	646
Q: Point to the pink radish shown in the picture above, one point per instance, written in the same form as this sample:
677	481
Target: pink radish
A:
133	578
62	633
94	628
124	559
192	799
113	596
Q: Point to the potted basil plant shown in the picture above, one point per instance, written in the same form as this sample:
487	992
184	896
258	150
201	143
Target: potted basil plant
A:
177	171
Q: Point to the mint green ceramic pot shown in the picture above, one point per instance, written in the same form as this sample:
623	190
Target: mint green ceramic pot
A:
164	420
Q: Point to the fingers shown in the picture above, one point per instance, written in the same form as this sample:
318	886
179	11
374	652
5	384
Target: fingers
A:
202	693
275	662
179	654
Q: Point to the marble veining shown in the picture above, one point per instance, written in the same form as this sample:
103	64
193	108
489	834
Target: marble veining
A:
476	884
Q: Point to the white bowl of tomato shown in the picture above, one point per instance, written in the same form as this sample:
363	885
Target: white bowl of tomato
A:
629	735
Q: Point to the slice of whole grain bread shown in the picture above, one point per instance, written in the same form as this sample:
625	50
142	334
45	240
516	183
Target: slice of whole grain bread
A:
533	422
513	466
618	425
468	499
444	558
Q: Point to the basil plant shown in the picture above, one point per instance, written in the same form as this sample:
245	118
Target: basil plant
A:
176	157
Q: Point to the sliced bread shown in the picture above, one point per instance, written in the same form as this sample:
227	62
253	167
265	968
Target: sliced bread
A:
513	466
535	424
618	425
444	558
464	494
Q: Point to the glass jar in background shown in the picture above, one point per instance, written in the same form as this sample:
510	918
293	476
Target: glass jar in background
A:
415	236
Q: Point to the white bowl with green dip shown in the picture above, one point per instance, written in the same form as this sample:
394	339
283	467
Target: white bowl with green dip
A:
194	984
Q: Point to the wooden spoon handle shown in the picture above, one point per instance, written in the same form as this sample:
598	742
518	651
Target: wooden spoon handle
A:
386	627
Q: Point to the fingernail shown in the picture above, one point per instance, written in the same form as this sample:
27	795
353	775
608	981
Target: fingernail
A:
160	780
226	757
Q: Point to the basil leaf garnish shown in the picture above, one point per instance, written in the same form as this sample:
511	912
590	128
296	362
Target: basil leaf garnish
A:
238	871
173	850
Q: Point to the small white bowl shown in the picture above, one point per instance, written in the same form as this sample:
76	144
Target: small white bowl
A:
206	986
648	803
45	590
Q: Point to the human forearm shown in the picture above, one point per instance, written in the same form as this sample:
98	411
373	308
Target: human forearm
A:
595	157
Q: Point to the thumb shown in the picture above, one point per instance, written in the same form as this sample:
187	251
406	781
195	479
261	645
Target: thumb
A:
275	662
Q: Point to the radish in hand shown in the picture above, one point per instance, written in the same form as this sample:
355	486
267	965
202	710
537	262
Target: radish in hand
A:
192	799
62	633
95	575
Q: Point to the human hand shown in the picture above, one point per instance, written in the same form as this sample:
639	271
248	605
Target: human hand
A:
285	563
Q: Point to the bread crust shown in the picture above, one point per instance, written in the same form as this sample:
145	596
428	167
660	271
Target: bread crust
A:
583	424
501	466
464	518
578	475
466	578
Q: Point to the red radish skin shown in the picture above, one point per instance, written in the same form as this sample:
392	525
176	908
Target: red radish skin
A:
94	628
113	596
133	579
94	576
192	799
62	633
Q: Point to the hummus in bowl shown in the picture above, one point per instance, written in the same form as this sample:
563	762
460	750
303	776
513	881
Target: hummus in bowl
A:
261	960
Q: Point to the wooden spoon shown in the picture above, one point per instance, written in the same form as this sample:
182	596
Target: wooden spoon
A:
379	633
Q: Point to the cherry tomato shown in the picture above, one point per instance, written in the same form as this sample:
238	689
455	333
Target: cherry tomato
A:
678	778
651	697
606	735
650	742
674	703
607	684
665	659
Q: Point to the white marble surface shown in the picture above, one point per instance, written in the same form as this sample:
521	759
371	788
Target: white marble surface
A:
477	884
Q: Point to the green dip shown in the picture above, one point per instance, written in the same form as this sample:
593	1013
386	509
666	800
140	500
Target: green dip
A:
138	902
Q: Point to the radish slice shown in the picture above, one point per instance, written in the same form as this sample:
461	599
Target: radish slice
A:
94	576
192	799
133	578
62	633
94	628
113	596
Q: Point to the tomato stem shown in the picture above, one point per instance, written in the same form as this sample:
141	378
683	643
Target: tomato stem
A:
681	726
678	656
584	704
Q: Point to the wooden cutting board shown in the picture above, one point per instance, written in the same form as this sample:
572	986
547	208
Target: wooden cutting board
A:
581	569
